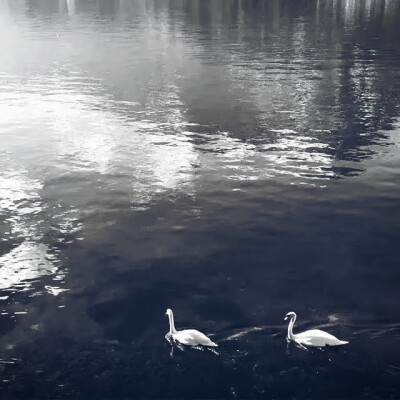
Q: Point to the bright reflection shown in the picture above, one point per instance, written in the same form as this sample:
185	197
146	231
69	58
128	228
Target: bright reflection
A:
26	221
385	158
20	204
67	120
54	290
26	262
88	135
299	157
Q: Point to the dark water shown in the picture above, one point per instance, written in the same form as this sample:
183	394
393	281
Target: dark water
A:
232	160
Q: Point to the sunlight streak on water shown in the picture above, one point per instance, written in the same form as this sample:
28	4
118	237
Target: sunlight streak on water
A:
24	228
24	263
19	200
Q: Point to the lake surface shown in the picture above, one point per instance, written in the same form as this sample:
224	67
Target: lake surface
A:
231	160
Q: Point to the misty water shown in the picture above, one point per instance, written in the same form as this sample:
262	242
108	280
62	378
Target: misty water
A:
233	160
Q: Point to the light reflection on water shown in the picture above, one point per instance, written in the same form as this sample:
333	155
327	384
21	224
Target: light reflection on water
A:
88	135
26	222
26	262
160	142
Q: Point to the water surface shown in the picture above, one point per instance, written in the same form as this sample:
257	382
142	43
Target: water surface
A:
231	160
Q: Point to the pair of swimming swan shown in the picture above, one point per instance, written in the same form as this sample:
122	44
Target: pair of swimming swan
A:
313	337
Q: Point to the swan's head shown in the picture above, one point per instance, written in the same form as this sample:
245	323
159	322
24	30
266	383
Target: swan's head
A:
290	314
168	312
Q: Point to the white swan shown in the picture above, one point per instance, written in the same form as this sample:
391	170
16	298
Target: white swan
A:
189	337
313	337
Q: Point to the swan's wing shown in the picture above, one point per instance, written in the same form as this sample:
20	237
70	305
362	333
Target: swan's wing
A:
314	342
315	333
200	338
192	337
318	338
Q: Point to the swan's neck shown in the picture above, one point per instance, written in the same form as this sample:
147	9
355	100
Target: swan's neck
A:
172	329
290	328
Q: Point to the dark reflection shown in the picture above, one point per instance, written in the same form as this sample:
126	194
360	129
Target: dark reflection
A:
130	318
136	316
107	6
45	7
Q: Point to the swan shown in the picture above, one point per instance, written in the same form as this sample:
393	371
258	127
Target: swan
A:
313	337
190	337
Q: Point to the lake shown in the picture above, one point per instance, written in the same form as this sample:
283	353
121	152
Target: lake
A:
232	160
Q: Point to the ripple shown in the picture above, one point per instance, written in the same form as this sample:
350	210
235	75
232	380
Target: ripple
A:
25	263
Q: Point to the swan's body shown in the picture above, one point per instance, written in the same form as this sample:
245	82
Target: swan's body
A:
189	337
313	337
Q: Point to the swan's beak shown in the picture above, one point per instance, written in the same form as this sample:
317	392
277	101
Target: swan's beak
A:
286	318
